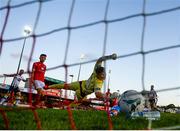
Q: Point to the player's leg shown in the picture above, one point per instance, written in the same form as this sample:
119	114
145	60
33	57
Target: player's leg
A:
71	86
78	94
40	88
40	96
4	98
7	96
74	86
151	103
56	86
17	97
154	104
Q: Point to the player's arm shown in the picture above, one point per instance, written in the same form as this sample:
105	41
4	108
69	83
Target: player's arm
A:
9	75
24	80
103	58
98	93
156	95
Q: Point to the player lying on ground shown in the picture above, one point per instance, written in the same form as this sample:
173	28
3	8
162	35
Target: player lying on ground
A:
93	84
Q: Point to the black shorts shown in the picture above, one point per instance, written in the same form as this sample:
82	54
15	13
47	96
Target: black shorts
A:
152	100
15	89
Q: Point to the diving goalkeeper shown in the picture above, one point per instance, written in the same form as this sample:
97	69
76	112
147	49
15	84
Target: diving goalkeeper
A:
93	84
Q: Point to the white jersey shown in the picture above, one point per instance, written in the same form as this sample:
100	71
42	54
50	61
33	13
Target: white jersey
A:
17	79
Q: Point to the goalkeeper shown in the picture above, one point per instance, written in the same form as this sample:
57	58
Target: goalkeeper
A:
93	84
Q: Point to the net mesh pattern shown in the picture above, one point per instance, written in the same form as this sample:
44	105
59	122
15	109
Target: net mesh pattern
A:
8	9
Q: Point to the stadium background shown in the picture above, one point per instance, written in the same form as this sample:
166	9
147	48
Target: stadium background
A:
144	34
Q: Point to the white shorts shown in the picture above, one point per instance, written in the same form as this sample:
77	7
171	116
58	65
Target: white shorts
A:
39	84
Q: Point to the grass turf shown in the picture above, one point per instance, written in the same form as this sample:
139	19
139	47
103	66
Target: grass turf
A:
52	119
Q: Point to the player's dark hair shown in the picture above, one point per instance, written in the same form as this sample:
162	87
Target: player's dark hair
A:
100	69
43	55
21	70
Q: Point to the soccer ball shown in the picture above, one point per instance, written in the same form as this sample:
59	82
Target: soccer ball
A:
131	101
